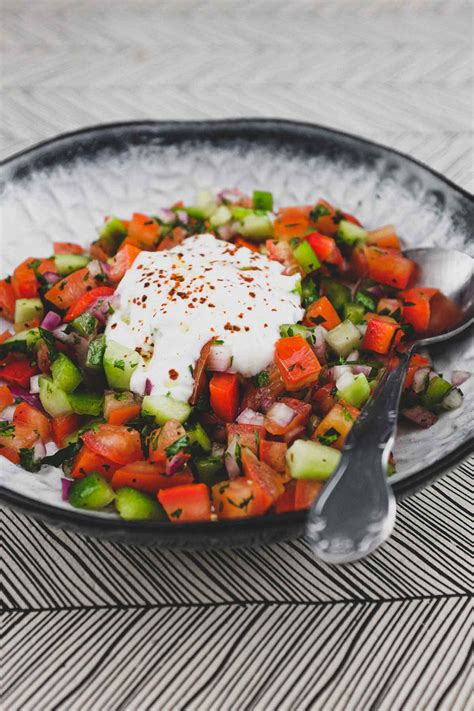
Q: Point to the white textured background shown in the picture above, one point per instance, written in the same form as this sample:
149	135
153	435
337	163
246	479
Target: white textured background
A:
92	625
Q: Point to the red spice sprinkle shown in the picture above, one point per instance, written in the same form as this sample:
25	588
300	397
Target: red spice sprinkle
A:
173	374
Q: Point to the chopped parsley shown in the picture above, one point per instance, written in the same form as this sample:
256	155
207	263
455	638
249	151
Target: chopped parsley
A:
178	446
28	460
176	513
318	211
330	436
262	379
119	364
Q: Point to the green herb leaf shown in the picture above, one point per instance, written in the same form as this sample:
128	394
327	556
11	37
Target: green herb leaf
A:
181	444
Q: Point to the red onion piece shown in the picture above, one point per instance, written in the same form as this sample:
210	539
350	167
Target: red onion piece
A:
39	449
231	195
230	459
220	358
176	463
7	414
31	398
281	414
420	416
225	232
320	343
217	450
361	368
376	291
250	417
420	379
34	384
458	377
66	488
345	380
61	335
102	306
182	216
51	321
95	267
336	371
166	215
148	386
353	355
51	277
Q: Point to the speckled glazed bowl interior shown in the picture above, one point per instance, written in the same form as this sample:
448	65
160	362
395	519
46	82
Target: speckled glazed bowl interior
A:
61	190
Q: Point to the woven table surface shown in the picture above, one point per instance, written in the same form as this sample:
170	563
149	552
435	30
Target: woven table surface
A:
91	625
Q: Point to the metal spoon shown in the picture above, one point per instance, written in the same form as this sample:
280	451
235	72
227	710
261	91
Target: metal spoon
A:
355	512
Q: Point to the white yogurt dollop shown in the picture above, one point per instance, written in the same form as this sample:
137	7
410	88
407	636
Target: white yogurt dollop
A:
173	302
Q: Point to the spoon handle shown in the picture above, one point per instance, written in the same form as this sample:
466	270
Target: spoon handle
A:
355	512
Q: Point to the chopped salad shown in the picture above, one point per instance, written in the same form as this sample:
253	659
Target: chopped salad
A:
207	362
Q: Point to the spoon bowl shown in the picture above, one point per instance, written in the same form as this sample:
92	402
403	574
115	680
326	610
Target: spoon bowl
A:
355	513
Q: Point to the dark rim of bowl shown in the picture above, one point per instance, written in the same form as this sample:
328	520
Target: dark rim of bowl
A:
76	519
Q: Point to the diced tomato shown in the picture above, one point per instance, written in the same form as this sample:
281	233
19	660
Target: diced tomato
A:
224	390
382	334
239	498
302	411
389	267
122	262
6	397
306	491
324	399
273	454
67	248
16	370
116	442
389	306
87	461
249	435
21	437
143	232
149	477
187	503
200	379
63	426
69	290
350	218
86	300
297	362
7	300
326	221
337	423
239	242
359	263
28	415
292	222
120	408
286	502
325	248
262	398
416	307
417	361
269	485
24	282
384	237
160	439
172	239
280	251
322	313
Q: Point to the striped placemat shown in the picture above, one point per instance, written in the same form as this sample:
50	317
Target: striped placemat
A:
91	625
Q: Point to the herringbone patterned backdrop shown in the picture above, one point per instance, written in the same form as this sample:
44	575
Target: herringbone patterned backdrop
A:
93	625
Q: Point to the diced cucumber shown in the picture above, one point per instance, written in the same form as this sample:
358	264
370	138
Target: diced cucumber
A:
452	400
112	234
95	353
198	435
354	312
344	338
84	403
220	216
54	400
351	233
262	200
306	257
311	460
30	336
338	294
240	213
164	408
85	325
66	375
28	309
354	390
256	226
210	470
287	330
132	505
309	291
205	206
91	492
68	263
119	363
436	391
